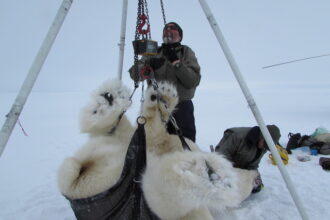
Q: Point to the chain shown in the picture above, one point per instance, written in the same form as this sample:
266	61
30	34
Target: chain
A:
147	14
142	94
163	11
142	99
142	11
143	8
140	6
137	35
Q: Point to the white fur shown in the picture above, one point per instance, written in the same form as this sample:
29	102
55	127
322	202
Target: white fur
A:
94	168
246	182
98	164
159	141
180	182
98	117
176	183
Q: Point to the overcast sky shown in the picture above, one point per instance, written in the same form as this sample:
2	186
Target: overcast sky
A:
85	53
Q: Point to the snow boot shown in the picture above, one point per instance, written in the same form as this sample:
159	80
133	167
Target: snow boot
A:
258	185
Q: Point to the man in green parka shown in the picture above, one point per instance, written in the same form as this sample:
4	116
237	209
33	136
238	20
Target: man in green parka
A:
245	146
177	64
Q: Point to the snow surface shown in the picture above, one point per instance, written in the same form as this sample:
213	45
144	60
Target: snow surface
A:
295	97
29	164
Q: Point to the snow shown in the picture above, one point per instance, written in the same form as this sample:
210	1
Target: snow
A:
260	33
29	164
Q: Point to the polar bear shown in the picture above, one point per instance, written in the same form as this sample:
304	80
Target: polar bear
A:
177	184
97	165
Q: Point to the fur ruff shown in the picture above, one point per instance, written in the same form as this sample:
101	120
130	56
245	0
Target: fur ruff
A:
180	182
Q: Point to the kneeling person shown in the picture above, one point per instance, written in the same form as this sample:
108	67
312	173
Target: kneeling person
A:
245	147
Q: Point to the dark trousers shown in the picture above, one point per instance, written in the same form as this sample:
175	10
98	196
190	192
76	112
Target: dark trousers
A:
184	117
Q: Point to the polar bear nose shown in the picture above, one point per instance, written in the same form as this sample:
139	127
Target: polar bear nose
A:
108	97
153	97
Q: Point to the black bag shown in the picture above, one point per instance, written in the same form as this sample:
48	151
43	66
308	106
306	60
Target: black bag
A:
325	163
296	140
293	141
124	200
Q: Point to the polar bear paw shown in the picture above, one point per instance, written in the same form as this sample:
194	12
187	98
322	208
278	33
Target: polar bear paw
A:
162	100
107	103
93	169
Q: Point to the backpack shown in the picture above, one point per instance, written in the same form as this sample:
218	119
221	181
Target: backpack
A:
294	140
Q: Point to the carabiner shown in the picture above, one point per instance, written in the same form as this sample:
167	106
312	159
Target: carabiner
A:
143	21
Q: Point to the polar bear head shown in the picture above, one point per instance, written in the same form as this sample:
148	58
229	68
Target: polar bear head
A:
105	107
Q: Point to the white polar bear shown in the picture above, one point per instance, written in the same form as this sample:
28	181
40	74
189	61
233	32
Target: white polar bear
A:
98	163
177	184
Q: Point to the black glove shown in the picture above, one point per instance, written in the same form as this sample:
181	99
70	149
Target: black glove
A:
171	56
170	52
156	63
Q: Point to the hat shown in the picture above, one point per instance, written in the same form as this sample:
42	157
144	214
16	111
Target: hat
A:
254	134
176	25
274	132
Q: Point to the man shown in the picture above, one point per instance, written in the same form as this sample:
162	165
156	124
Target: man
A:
176	63
245	146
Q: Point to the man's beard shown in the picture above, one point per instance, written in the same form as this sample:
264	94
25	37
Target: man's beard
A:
168	38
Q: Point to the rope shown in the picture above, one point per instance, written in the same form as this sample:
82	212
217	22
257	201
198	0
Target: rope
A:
19	122
113	129
185	146
292	61
130	98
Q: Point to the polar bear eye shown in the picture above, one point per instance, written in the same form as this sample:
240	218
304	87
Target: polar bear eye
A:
108	97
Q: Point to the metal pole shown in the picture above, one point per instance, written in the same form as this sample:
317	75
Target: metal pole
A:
122	39
253	107
30	79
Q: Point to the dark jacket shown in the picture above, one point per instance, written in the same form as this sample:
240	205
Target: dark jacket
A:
184	117
239	145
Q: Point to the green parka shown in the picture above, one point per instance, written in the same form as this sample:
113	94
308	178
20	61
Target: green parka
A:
241	149
186	77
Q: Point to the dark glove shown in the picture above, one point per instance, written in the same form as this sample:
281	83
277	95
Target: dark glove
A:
171	56
156	63
170	52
